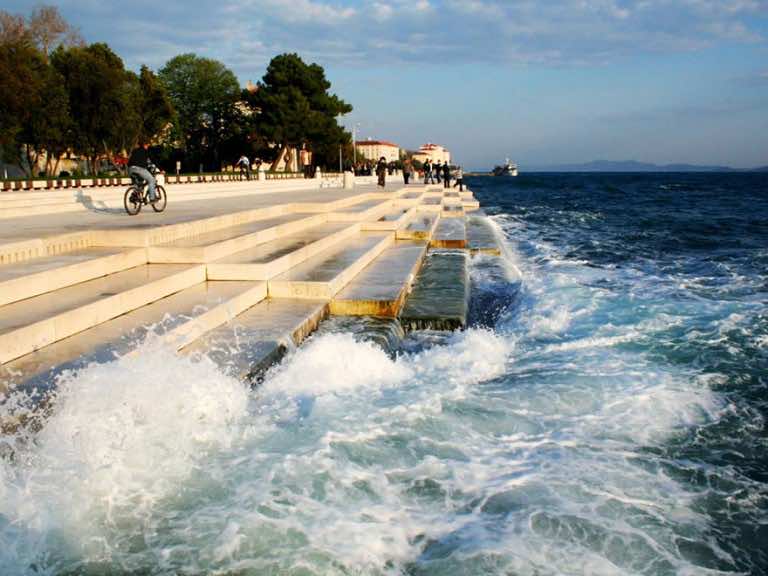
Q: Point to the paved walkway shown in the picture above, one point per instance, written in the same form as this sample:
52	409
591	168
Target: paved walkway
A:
43	225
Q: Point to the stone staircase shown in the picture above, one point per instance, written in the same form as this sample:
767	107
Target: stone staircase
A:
259	276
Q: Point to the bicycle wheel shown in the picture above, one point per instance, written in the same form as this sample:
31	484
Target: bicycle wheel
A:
132	200
161	199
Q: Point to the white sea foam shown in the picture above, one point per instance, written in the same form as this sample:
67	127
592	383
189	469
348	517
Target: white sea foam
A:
121	437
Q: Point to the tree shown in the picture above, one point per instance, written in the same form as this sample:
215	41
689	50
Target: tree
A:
296	108
155	109
49	29
48	128
22	69
98	89
204	94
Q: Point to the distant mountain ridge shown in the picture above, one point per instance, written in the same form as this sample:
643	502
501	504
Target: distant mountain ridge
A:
634	166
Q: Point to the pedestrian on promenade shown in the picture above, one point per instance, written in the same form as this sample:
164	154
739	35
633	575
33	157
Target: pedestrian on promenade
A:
427	166
459	179
245	167
447	174
437	170
381	171
407	169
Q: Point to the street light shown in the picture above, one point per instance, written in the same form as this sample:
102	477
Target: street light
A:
354	144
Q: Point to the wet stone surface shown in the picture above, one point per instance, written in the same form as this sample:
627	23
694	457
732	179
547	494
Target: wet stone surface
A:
440	296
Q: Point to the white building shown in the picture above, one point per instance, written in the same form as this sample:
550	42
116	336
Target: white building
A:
434	152
375	149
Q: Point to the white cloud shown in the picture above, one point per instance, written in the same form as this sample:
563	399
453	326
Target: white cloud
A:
382	12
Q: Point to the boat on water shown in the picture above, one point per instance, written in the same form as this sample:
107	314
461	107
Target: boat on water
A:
508	169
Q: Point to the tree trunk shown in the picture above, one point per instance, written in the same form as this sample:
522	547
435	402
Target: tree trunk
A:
276	161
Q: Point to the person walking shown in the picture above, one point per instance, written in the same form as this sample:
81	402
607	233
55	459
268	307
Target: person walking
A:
459	179
407	169
381	171
427	171
447	174
437	170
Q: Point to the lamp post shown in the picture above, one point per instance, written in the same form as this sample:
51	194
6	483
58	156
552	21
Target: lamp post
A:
354	144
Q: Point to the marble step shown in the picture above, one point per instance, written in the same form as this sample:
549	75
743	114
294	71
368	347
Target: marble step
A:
361	211
450	233
41	275
36	322
192	307
380	289
272	258
481	238
259	338
392	219
440	296
421	227
323	275
219	243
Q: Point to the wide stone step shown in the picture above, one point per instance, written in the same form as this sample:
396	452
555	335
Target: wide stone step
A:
440	296
175	318
36	322
392	219
41	275
380	289
323	275
272	258
260	337
219	243
420	227
450	233
481	237
361	211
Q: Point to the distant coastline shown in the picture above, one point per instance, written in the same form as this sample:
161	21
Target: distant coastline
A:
630	166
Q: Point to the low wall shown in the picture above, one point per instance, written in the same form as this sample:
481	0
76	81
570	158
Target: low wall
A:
83	195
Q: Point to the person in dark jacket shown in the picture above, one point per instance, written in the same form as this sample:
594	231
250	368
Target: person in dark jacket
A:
138	165
447	174
381	171
437	169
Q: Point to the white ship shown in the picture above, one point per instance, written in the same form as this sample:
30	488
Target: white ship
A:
509	169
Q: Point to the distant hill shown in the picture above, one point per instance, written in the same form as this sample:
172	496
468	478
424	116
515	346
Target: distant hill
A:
627	166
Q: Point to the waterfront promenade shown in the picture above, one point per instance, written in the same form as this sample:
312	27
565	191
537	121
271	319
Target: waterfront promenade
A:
266	264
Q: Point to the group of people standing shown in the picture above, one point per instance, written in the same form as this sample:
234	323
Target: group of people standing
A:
441	172
433	173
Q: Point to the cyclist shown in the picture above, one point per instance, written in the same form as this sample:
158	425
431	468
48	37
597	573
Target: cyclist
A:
139	164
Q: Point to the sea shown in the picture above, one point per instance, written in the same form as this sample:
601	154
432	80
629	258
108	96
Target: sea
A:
604	413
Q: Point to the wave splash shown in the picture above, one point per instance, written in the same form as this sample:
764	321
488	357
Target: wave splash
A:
528	448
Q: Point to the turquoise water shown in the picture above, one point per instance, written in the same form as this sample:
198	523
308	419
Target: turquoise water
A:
604	414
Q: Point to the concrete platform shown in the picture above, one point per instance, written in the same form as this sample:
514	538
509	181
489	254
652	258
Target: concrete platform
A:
361	211
270	259
450	233
380	289
260	337
481	238
41	275
323	275
440	296
120	335
219	243
393	219
30	324
421	227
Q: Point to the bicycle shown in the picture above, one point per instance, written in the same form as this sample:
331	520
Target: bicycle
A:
136	196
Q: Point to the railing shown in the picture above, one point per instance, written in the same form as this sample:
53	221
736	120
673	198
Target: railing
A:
83	182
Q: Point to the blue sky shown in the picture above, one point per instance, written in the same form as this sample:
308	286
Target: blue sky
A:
543	82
